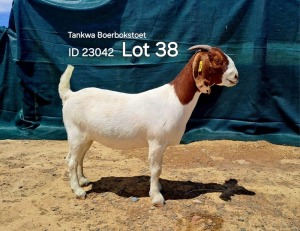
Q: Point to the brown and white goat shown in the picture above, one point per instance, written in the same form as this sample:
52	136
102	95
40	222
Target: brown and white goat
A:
156	118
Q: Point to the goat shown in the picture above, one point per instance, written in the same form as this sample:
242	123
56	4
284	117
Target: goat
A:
155	118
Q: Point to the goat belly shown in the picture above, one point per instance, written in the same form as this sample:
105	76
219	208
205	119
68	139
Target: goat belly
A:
121	143
118	137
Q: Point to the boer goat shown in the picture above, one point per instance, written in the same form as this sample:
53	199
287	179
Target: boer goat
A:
156	118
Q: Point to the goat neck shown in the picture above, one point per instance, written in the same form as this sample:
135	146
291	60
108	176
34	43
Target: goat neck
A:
184	84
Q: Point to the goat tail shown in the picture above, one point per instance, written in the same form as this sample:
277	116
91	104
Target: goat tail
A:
64	89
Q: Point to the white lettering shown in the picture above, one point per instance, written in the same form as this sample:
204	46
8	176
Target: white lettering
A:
124	51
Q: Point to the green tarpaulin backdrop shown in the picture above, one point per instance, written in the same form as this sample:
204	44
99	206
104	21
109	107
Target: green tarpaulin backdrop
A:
262	37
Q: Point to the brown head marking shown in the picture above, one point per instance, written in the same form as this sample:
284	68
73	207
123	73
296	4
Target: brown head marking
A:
203	70
218	65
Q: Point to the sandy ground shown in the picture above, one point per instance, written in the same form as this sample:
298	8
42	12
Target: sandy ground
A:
208	185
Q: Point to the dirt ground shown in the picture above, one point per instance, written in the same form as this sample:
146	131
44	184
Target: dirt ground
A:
208	185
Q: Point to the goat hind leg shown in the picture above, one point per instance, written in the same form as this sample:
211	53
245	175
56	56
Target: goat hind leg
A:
83	181
76	153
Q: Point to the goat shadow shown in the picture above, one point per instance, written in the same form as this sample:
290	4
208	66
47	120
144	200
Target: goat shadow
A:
138	186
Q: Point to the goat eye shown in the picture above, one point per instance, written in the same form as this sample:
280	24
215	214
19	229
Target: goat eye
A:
216	59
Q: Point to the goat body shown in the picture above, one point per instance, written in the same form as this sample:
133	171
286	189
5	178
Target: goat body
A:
156	118
127	121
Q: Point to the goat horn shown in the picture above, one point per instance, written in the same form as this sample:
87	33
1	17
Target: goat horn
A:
200	47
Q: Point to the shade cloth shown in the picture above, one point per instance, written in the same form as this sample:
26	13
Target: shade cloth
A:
262	37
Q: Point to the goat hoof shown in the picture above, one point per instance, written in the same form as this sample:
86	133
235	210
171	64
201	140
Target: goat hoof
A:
80	194
158	200
84	182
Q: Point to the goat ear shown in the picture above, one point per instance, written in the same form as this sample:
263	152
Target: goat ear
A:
195	65
203	85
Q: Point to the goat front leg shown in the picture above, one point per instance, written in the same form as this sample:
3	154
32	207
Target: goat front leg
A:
156	152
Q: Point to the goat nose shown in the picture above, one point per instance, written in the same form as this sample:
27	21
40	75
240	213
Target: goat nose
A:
236	77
